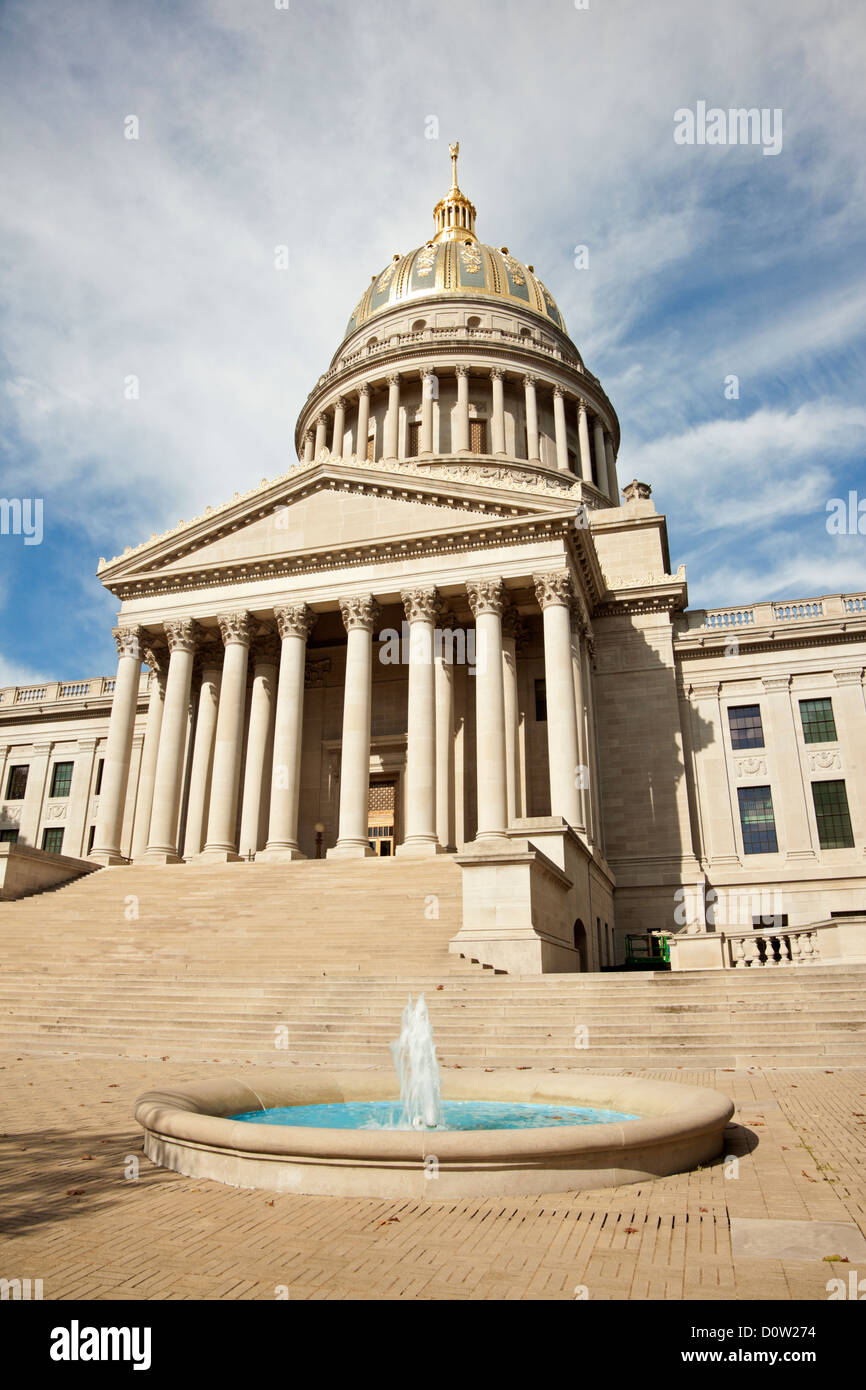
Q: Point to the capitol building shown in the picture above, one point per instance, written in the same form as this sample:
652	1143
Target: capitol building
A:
453	628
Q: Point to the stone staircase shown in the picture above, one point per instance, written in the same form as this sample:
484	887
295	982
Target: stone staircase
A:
311	963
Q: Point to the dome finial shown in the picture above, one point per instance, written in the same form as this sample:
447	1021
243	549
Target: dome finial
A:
454	215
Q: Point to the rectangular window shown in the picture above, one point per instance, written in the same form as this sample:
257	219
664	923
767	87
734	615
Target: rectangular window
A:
757	820
8	837
746	728
413	439
98	788
819	726
16	785
52	841
61	779
832	815
371	445
91	836
540	702
478	436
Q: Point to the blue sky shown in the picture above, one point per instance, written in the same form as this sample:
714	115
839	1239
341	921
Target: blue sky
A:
307	127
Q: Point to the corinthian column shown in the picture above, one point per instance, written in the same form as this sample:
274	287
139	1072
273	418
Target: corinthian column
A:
112	799
600	455
584	455
162	843
236	631
497	413
461	433
531	419
512	632
554	593
421	606
156	696
260	741
428	393
443	657
294	623
559	429
487	600
339	427
321	433
613	485
363	427
308	447
392	419
359	618
202	756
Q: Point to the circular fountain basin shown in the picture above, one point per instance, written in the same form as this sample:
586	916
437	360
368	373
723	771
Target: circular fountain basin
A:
191	1130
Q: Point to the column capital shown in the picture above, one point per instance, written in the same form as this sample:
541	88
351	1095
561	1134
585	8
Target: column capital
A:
461	370
773	684
295	620
486	596
421	605
513	625
853	676
558	392
315	672
530	380
322	420
236	627
265	649
497	373
310	434
704	690
340	403
393	378
553	587
581	405
155	656
181	634
364	389
359	611
128	641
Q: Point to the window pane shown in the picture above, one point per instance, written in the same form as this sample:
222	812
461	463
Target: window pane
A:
413	440
52	841
17	783
757	820
832	815
8	837
819	726
478	436
746	728
61	779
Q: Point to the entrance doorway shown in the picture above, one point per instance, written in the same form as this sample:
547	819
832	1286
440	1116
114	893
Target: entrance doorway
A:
381	818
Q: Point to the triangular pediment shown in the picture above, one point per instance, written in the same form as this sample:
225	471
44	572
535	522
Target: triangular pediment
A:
331	509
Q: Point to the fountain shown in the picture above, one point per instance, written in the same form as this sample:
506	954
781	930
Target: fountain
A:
379	1134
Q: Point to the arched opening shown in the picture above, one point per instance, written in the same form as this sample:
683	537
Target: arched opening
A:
579	935
473	321
419	325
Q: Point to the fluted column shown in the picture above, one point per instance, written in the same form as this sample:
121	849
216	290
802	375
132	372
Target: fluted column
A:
202	756
428	392
421	606
583	449
162	842
363	427
260	739
559	429
339	426
497	413
308	447
444	695
612	482
321	433
294	623
512	631
600	455
554	593
487	600
531	419
360	614
461	432
150	751
236	631
578	626
392	419
115	777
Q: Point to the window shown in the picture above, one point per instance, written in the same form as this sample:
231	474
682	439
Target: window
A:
413	439
61	779
8	837
756	818
746	728
91	836
52	841
819	726
540	702
832	815
98	788
478	436
16	786
777	920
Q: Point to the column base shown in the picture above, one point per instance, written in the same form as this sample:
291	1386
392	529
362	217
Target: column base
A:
351	849
160	856
278	854
107	857
418	847
217	855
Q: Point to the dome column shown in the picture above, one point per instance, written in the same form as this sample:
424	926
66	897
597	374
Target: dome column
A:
584	455
360	614
487	600
236	631
600	455
321	433
554	593
308	447
339	427
613	484
421	606
363	428
461	434
531	420
392	420
294	623
428	393
559	426
497	413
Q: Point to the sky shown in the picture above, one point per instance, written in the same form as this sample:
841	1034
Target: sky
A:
307	124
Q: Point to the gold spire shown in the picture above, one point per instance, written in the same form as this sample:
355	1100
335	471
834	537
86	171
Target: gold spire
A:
454	215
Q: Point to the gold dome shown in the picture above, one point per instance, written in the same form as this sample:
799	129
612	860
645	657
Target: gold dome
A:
455	262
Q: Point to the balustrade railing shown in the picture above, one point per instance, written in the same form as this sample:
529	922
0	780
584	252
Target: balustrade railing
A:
765	947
